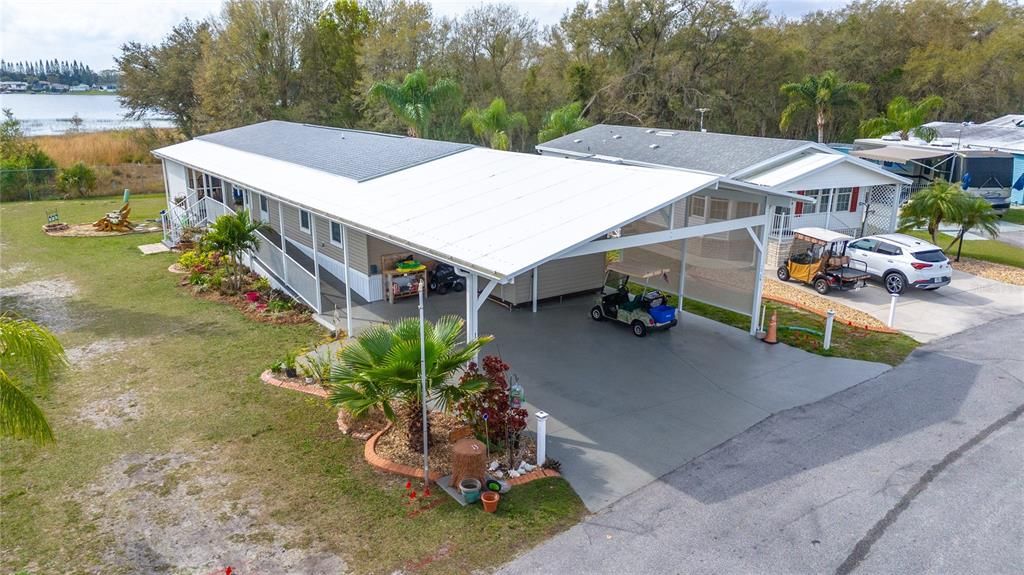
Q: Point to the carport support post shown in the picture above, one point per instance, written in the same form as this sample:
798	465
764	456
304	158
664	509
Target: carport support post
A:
542	437
762	247
348	284
534	290
682	272
471	308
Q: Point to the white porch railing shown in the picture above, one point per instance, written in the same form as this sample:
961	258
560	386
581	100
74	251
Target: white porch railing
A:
271	256
214	209
301	281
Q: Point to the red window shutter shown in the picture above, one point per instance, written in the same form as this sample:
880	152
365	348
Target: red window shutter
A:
853	199
799	208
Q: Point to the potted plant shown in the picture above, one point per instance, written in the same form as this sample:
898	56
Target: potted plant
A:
490	500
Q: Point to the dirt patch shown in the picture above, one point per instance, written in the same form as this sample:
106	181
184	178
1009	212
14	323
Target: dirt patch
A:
112	413
993	271
96	352
805	296
44	301
13	270
87	231
172	513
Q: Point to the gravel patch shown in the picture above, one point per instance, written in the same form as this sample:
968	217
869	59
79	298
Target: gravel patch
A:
96	352
112	413
993	271
44	301
171	513
806	296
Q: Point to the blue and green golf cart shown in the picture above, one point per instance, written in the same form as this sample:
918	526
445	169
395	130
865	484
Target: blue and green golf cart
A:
642	312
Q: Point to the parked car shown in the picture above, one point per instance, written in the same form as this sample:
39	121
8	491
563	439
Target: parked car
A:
900	261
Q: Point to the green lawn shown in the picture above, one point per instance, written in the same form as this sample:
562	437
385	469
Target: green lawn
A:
1015	215
849	342
249	464
988	250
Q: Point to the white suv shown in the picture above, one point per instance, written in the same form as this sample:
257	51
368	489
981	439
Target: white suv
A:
901	261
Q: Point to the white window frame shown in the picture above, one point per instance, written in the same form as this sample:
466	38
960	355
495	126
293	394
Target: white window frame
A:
308	228
340	242
264	208
841	204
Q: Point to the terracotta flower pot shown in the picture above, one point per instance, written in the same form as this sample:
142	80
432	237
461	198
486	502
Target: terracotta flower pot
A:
490	499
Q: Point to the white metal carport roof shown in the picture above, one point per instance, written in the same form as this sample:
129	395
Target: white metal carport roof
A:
494	213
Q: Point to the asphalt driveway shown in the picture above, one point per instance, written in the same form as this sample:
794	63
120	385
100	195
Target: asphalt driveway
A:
968	301
626	410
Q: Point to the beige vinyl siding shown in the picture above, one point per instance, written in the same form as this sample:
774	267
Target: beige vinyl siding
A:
376	247
357	250
272	210
323	240
291	227
557	278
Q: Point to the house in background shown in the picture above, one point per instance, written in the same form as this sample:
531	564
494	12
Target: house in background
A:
852	196
80	88
990	155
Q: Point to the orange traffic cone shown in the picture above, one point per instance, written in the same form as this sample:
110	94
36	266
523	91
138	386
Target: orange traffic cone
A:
773	327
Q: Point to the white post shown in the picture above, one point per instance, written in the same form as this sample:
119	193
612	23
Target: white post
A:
831	200
759	271
682	273
542	436
423	397
892	310
534	290
829	318
348	284
284	248
316	261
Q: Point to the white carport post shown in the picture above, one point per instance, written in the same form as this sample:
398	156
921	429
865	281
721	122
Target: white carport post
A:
762	246
471	309
533	290
316	262
348	284
682	272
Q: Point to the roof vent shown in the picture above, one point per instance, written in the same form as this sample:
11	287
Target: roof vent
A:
617	137
650	130
577	140
664	133
653	146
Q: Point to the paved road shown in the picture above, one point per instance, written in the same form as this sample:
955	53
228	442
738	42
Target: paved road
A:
916	471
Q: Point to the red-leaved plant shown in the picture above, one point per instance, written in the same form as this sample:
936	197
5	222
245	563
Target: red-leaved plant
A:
489	412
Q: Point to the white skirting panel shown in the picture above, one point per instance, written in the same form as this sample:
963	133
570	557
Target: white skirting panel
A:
368	287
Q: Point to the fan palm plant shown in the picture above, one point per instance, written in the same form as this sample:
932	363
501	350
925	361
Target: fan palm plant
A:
903	117
415	101
382	367
974	212
562	121
28	347
494	124
234	234
928	208
821	95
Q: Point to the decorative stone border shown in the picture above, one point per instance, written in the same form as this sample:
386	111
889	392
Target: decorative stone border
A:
370	449
820	313
268	377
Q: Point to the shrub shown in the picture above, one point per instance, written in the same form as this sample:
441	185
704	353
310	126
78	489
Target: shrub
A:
195	260
262	285
490	412
279	305
79	178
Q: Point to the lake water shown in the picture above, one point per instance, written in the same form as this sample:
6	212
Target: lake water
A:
46	114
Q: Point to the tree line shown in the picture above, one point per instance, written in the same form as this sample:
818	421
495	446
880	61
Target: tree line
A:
53	71
494	76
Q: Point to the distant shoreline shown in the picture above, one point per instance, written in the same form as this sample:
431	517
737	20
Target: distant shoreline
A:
86	93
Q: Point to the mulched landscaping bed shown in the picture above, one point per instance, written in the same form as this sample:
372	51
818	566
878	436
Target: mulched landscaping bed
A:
993	271
805	297
249	309
87	231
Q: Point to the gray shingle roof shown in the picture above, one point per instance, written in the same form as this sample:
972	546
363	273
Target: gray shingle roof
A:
722	154
351	154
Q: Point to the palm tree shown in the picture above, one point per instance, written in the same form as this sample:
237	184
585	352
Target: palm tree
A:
494	123
414	101
928	208
382	366
821	95
562	121
903	117
234	234
974	212
25	346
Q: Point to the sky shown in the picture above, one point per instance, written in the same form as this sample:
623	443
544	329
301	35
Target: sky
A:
92	31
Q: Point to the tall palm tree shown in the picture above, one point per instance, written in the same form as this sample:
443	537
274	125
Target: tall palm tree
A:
928	208
494	124
821	95
562	121
234	234
974	212
382	366
28	347
415	101
904	117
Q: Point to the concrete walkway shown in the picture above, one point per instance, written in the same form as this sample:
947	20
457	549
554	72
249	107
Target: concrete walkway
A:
626	410
915	471
968	301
